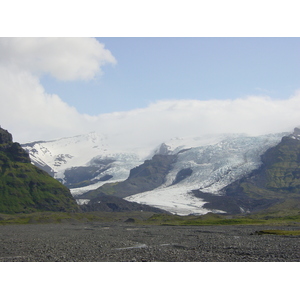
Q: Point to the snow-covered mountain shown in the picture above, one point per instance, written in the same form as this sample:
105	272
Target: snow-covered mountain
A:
208	163
87	161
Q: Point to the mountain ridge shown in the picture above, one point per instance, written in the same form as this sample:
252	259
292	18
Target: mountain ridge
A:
193	172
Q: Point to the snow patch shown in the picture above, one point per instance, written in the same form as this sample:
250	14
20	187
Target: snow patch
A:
82	201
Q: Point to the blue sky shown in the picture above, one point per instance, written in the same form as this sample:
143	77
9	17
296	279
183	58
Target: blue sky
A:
151	69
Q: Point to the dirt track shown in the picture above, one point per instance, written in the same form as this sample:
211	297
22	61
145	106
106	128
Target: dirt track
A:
117	242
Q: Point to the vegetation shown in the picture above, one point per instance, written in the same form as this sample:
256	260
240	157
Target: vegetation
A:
64	217
24	188
215	219
148	218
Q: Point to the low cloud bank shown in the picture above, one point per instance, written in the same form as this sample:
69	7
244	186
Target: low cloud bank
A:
40	116
180	118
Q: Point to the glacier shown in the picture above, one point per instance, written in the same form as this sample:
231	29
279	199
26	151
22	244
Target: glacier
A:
216	163
60	155
211	163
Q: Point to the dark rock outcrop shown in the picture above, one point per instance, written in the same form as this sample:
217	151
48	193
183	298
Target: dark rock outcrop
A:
13	150
5	137
183	174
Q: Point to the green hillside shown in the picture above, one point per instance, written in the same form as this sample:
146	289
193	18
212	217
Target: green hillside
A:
24	187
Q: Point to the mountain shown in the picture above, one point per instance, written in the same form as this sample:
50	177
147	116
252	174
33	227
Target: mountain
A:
146	177
184	175
24	187
85	162
182	165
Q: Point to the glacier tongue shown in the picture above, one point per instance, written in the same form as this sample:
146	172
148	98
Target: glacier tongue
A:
212	167
175	199
215	166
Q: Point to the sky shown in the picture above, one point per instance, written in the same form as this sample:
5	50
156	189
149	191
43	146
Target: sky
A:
151	69
147	90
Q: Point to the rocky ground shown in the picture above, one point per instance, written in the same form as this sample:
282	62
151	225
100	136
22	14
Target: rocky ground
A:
120	242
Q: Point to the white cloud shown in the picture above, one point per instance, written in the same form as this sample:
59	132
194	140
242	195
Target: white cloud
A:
25	108
63	58
29	112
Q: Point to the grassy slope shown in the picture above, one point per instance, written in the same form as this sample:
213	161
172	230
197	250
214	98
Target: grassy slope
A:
25	188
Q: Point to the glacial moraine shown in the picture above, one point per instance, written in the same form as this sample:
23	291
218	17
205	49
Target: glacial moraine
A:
122	242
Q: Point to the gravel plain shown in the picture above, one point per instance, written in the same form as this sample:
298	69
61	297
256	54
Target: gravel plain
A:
121	242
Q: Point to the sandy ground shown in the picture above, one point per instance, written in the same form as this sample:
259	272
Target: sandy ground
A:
120	242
